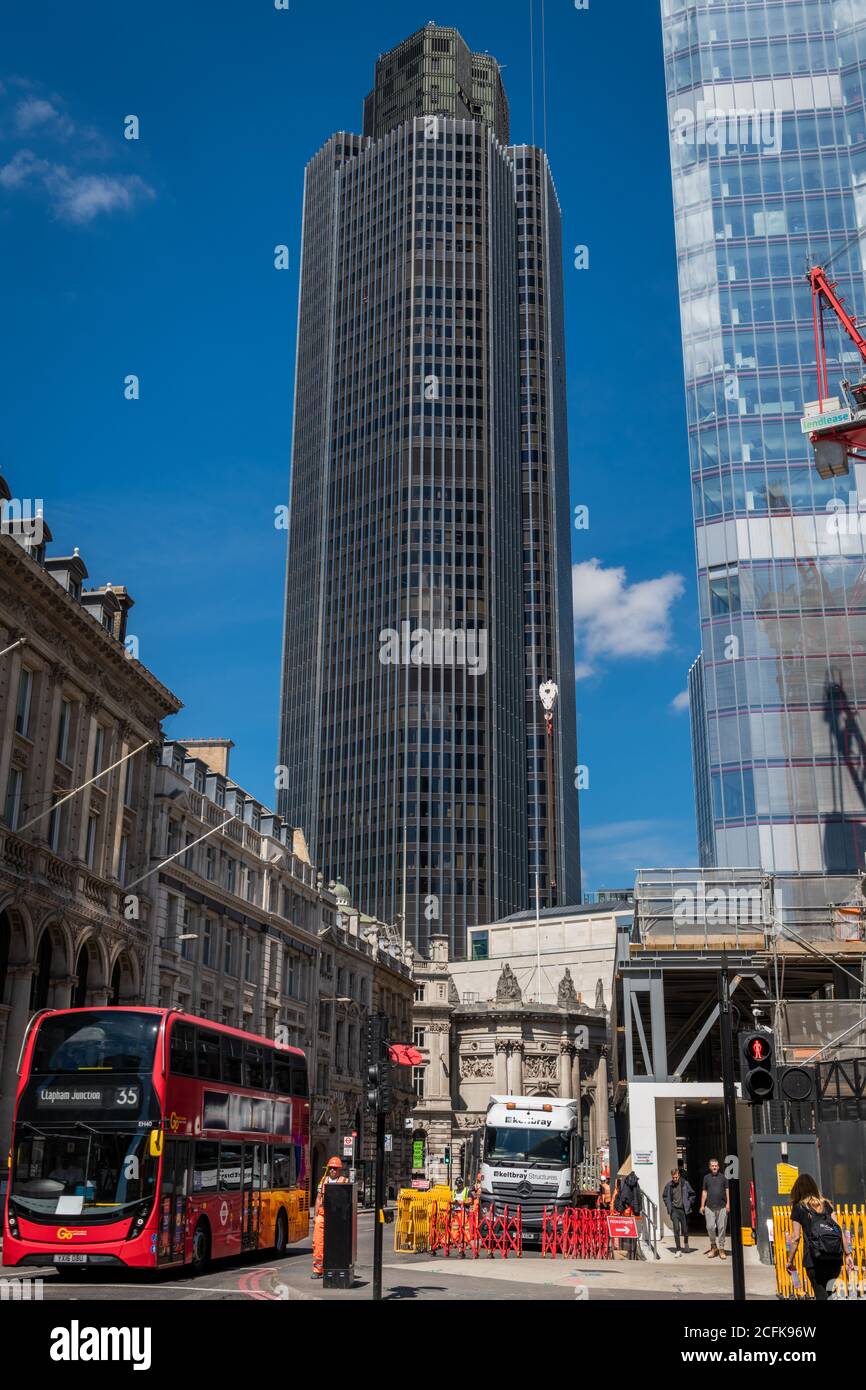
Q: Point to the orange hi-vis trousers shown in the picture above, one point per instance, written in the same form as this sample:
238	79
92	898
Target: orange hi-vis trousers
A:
319	1243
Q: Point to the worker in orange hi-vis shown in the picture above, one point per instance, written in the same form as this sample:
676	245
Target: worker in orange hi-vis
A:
333	1173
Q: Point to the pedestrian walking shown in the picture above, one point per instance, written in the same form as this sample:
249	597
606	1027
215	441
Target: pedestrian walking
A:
333	1173
679	1198
715	1207
824	1243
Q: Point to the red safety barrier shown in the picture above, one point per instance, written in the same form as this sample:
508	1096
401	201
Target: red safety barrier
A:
469	1232
577	1233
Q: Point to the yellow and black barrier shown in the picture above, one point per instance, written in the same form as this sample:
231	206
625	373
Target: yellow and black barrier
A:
850	1284
412	1233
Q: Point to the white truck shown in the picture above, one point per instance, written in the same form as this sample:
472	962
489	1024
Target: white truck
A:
531	1157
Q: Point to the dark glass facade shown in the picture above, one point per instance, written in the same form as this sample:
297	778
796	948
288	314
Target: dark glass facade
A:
404	730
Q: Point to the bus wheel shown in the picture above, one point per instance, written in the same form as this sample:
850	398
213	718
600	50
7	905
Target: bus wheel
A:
281	1234
201	1248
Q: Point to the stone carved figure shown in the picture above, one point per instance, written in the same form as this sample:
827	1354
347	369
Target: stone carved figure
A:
540	1068
566	996
507	988
476	1068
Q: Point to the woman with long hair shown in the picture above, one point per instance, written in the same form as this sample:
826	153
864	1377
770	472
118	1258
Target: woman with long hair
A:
824	1246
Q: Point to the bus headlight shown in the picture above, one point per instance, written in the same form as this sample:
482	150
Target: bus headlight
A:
13	1225
139	1221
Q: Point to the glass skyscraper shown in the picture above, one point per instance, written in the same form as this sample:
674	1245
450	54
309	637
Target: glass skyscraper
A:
428	578
768	151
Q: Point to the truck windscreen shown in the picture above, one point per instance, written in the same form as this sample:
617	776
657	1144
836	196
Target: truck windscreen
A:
512	1144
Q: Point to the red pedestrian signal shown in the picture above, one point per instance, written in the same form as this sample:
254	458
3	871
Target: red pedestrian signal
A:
757	1067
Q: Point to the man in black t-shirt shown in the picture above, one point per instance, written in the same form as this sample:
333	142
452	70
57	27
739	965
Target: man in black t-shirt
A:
715	1205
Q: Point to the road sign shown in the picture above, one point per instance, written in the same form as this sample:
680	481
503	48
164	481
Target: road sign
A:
622	1227
389	1143
348	1145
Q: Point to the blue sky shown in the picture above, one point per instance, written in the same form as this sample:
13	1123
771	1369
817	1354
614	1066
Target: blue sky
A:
155	257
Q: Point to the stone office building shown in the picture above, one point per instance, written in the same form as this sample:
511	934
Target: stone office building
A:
361	971
73	703
248	935
239	912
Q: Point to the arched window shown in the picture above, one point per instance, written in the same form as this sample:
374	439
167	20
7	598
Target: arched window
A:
115	984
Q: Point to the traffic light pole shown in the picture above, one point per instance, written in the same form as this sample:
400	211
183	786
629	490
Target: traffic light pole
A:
732	1159
379	1220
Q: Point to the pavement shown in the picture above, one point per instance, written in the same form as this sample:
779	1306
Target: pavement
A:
425	1277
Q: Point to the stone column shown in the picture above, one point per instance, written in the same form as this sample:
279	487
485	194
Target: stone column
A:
21	977
566	1056
515	1068
62	987
501	1067
575	1073
602	1128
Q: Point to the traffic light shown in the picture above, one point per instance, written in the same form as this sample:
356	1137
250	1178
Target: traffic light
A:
447	1155
757	1067
378	1064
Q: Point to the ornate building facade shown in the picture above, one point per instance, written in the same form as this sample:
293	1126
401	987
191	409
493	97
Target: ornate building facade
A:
491	1028
74	703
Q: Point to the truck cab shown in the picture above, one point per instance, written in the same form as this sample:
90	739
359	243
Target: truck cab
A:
531	1154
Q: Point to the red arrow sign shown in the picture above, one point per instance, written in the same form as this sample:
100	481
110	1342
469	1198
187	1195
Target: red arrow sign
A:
622	1227
406	1056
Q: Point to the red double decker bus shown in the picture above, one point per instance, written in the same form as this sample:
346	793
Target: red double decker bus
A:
148	1137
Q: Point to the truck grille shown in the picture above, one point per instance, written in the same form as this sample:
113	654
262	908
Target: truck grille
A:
531	1200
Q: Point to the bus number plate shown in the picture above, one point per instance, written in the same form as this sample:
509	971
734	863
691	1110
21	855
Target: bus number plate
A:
70	1259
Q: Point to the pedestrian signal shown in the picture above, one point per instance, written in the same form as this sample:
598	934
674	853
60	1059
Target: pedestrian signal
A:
757	1067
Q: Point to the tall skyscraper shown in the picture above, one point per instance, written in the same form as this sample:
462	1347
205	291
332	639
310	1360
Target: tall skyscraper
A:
768	148
428	579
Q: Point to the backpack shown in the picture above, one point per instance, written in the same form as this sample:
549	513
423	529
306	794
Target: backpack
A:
824	1237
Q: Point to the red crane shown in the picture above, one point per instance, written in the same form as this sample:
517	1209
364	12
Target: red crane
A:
839	432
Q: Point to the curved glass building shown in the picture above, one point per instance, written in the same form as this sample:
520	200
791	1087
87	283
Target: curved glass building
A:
768	150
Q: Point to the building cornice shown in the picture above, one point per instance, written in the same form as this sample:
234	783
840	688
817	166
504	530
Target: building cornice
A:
56	605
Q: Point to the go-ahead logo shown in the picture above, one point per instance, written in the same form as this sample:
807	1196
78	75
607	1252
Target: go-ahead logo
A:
64	1233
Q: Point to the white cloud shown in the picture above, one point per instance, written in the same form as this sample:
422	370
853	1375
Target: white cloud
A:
35	113
21	167
74	193
613	618
75	197
611	854
680	702
81	197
